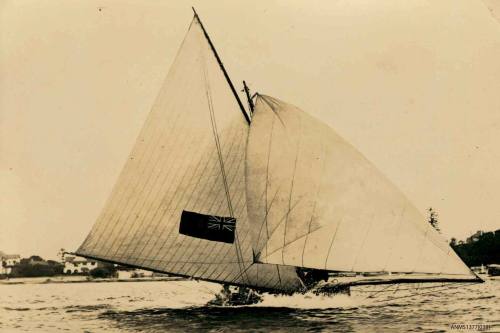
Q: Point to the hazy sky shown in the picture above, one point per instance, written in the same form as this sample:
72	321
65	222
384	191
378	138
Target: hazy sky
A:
414	85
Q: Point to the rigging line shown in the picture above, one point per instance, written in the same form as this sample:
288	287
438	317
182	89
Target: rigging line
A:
221	65
282	219
231	148
238	248
217	141
271	278
244	272
238	213
364	241
193	243
220	270
264	98
267	181
218	144
247	268
291	191
240	274
194	262
379	291
256	270
166	228
267	211
333	239
221	161
279	276
214	250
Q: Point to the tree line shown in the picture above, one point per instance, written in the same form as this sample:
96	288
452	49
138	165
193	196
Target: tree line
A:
481	248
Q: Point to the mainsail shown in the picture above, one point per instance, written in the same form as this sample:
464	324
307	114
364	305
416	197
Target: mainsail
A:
316	202
187	164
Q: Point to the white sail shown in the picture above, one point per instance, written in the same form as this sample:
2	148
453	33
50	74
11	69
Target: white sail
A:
189	156
316	202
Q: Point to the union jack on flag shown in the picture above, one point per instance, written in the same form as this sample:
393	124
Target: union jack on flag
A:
221	223
209	227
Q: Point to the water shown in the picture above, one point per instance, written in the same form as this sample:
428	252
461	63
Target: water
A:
180	306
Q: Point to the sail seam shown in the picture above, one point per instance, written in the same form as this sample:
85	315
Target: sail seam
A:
147	163
291	190
323	150
239	253
101	226
396	239
160	213
331	243
267	183
162	179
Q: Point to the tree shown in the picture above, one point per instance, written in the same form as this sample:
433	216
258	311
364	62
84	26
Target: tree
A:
106	270
62	254
482	248
433	219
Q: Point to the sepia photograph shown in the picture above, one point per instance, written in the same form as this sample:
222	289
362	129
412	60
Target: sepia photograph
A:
236	166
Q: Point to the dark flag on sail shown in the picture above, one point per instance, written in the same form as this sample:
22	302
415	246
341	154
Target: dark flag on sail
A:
210	227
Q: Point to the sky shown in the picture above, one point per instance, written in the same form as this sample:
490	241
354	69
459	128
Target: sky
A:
413	85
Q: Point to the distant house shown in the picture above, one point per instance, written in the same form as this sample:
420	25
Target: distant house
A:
134	273
479	269
7	261
78	265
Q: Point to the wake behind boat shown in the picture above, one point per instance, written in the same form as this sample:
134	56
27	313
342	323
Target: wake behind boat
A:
269	199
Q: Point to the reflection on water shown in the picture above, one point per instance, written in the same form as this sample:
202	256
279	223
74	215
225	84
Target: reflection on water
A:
179	306
221	319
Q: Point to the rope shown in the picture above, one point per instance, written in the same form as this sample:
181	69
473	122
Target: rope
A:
239	253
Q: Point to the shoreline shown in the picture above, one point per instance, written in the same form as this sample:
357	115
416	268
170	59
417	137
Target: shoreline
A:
62	279
82	279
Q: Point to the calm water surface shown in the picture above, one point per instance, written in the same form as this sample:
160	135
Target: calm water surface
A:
180	306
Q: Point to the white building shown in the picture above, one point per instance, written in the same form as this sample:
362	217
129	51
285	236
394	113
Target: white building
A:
7	261
78	265
135	273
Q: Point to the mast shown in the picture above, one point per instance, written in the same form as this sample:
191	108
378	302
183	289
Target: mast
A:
247	92
242	108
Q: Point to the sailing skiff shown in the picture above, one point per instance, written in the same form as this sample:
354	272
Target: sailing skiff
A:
270	198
